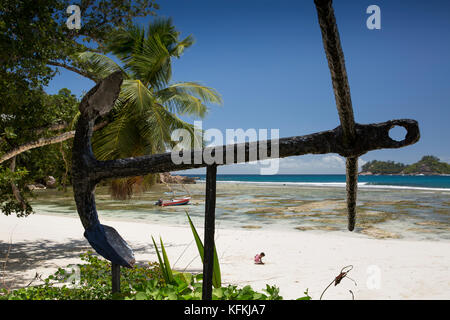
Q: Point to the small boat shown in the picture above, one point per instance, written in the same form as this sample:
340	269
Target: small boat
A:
173	202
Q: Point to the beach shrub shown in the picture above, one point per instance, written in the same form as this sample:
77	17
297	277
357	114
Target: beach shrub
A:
138	283
189	287
94	282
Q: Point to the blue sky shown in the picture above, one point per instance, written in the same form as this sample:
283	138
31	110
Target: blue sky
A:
266	58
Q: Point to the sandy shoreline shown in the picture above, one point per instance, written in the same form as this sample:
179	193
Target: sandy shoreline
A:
295	260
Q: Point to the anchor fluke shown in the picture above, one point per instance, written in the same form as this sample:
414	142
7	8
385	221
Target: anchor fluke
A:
108	243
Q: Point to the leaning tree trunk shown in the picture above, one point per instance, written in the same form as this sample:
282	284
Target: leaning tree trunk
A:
41	142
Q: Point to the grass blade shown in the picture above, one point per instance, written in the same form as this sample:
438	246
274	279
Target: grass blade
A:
217	281
166	263
161	263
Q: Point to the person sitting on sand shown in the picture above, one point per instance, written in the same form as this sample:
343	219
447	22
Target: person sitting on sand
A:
258	258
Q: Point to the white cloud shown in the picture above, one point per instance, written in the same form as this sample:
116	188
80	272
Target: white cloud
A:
308	164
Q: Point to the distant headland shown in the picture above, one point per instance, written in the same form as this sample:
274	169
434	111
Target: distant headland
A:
428	165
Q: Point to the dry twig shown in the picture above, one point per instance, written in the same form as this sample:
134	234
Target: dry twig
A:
338	279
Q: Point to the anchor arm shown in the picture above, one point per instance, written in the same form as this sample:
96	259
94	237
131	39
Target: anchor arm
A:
88	171
368	137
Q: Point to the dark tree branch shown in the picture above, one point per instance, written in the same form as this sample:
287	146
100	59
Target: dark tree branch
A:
44	142
73	69
36	144
52	127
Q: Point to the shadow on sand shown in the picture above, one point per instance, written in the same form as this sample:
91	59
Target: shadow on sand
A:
20	261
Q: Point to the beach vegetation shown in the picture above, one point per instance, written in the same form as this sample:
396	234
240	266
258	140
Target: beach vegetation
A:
383	167
33	124
217	279
39	116
94	282
164	263
427	165
149	106
144	282
145	115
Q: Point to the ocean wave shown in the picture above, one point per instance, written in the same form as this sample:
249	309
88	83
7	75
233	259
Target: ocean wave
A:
362	185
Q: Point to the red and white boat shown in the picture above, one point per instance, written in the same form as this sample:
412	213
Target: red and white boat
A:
173	202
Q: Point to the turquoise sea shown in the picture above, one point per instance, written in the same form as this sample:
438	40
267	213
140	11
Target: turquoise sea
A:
434	182
388	207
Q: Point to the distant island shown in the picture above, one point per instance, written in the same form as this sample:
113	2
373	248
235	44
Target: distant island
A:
428	165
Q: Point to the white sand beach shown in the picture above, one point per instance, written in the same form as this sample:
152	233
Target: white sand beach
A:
294	261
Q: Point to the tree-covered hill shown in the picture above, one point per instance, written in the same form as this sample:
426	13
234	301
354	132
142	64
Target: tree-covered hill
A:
383	167
428	165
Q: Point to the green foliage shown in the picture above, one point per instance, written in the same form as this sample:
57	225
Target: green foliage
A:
33	33
189	287
8	202
137	283
383	167
164	262
306	296
95	282
427	165
34	38
148	108
217	281
34	116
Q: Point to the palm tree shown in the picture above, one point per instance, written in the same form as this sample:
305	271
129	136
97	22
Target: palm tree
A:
146	112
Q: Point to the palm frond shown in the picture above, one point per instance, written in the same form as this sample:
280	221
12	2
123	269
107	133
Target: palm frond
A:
188	98
96	64
164	28
161	123
115	140
135	97
179	48
126	41
152	66
145	113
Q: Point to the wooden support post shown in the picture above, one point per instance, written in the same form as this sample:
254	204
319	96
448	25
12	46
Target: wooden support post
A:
352	187
115	278
210	208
